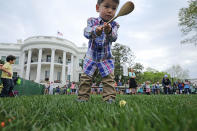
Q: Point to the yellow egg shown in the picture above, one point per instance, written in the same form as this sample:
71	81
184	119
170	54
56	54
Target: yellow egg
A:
122	103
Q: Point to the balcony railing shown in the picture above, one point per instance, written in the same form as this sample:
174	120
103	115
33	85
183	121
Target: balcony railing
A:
58	61
48	60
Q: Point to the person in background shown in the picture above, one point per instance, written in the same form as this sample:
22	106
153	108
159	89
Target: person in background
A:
174	86
127	90
195	86
148	89
177	87
72	88
68	91
76	88
186	87
119	84
180	86
68	84
144	87
140	89
115	84
157	88
51	86
153	89
57	90
166	84
64	89
46	89
6	76
93	88
192	89
100	88
132	82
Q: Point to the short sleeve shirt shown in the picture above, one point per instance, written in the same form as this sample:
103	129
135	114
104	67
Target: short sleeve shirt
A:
8	67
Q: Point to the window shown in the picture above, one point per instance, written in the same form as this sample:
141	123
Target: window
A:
17	60
68	61
46	75
60	60
48	58
3	58
58	76
68	77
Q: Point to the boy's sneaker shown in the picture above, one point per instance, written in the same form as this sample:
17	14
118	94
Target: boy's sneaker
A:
81	101
110	101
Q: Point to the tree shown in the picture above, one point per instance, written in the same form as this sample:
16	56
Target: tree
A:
149	69
188	22
152	75
138	68
123	55
177	72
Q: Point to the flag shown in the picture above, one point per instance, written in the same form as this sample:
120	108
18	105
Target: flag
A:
59	33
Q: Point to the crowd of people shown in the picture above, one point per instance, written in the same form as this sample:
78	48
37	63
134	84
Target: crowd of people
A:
132	87
166	87
68	89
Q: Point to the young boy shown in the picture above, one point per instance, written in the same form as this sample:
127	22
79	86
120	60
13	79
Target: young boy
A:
6	76
99	56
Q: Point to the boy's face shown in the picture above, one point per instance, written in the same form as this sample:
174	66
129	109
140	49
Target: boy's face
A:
107	9
12	61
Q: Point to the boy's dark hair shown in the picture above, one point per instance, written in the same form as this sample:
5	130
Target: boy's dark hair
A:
10	58
100	1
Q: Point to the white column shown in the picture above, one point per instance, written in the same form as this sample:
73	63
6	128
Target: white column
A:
28	64
52	65
64	68
39	66
22	64
72	66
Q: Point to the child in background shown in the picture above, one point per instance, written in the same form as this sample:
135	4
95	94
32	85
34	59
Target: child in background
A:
180	86
51	86
157	88
6	76
140	89
148	88
186	87
99	56
101	88
153	89
72	88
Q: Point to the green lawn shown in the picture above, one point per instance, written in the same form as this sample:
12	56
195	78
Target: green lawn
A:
58	112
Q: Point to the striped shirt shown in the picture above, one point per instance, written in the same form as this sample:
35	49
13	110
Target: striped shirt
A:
99	55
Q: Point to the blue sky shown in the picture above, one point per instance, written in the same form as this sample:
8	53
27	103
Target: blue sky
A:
151	30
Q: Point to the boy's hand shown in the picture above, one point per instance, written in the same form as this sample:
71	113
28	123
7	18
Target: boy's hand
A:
107	28
9	74
99	30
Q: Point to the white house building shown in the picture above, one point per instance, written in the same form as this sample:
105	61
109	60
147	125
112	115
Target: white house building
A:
45	57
